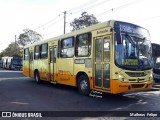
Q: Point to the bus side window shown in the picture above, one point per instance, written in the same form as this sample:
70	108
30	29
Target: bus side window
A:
36	52
67	48
83	45
44	51
26	52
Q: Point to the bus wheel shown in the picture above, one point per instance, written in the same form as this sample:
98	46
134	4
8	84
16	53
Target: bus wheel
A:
37	77
83	85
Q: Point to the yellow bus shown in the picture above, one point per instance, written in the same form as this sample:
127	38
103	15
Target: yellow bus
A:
113	57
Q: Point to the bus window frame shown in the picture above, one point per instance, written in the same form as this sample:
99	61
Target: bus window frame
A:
60	49
40	51
89	44
36	58
24	58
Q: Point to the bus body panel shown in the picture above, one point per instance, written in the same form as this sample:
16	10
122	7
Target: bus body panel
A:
104	75
121	87
31	62
52	60
26	68
43	69
65	71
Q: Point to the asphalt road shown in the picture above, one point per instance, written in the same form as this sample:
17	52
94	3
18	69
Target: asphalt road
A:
19	93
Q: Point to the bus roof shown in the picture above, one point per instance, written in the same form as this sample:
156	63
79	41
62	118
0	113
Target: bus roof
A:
81	31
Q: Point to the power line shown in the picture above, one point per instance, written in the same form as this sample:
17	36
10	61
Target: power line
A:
65	21
50	25
55	21
91	6
79	7
53	30
118	8
154	17
47	22
50	21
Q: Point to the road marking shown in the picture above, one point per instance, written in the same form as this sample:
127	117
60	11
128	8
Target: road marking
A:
9	71
14	78
19	103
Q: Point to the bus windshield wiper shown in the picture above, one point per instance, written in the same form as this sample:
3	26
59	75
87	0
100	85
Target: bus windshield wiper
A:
130	40
134	43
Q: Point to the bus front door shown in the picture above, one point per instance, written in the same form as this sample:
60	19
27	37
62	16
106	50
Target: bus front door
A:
102	63
52	66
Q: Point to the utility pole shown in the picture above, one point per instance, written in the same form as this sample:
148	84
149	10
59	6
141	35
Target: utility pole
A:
15	43
65	21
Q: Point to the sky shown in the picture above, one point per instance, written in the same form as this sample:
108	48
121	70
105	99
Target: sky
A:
46	16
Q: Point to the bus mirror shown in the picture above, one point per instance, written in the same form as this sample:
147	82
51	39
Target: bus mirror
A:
118	38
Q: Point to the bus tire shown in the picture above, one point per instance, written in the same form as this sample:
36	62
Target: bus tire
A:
83	85
37	77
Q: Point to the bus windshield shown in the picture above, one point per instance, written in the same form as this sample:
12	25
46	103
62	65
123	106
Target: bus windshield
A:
157	63
133	47
17	62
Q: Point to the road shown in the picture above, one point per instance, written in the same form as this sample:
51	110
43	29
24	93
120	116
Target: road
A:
20	93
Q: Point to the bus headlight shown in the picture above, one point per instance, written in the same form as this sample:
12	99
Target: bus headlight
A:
121	78
151	77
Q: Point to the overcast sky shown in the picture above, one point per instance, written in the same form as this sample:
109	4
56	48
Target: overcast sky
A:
46	16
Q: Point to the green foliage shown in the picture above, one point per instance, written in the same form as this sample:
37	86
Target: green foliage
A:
84	21
13	50
28	37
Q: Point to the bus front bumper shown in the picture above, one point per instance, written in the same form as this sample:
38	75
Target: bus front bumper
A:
121	87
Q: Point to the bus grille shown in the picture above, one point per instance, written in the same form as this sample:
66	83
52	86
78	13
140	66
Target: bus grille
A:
137	85
136	74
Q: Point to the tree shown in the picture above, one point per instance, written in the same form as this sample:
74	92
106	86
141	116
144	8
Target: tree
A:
28	37
13	49
84	21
